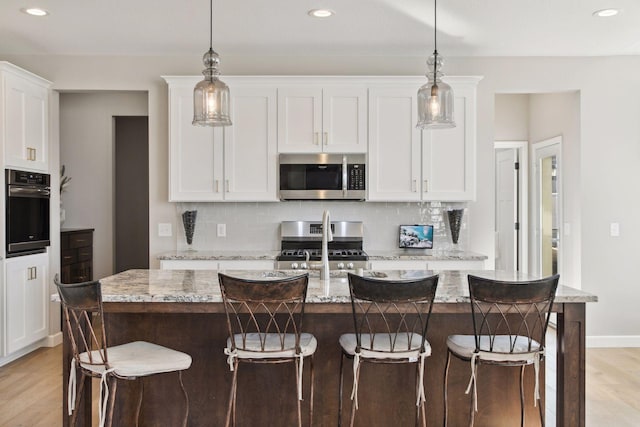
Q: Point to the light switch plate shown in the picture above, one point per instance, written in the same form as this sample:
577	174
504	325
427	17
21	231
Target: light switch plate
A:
222	230
164	229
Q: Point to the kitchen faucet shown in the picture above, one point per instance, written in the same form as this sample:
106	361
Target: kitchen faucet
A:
327	236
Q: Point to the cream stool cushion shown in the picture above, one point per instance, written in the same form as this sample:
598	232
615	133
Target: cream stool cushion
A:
382	343
252	347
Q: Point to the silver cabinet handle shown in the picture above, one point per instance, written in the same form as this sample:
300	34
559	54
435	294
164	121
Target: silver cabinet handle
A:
414	185
425	188
227	184
31	153
315	138
217	186
326	138
32	273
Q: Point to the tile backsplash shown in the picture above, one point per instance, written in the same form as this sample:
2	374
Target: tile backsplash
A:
256	226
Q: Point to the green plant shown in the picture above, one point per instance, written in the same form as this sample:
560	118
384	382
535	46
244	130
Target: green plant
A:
64	180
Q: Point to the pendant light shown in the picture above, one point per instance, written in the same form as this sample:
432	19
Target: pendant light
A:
211	95
435	99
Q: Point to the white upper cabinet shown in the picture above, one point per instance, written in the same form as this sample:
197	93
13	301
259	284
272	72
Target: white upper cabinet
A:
394	144
406	164
316	119
234	163
449	155
24	113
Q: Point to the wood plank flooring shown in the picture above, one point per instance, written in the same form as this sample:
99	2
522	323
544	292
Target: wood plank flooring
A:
31	387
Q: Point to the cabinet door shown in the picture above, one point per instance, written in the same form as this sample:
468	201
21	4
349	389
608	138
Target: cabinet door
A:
299	120
27	306
394	145
246	265
26	124
188	264
344	120
398	265
250	145
448	159
195	154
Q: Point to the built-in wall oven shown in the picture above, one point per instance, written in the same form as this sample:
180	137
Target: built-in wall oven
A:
27	212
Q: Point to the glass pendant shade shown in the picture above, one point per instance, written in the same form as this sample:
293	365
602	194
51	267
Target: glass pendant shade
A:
211	95
435	99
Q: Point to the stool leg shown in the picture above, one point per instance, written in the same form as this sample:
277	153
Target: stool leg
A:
74	414
340	390
186	400
139	406
522	395
474	396
232	396
356	378
112	396
296	364
420	409
312	384
446	380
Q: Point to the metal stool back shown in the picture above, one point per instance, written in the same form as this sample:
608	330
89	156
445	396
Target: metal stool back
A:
84	320
264	319
390	323
510	320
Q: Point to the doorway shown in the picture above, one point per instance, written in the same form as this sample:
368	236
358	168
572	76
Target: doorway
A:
511	236
131	207
547	206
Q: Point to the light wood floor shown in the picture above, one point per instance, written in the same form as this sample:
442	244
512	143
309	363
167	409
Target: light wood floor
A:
31	387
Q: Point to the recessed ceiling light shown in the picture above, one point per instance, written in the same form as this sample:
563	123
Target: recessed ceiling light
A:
321	13
34	11
605	13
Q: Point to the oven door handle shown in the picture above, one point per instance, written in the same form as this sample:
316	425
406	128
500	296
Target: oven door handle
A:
19	191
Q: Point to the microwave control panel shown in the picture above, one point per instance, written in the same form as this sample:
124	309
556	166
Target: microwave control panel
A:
355	173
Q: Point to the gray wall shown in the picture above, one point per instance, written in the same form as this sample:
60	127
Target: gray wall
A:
609	149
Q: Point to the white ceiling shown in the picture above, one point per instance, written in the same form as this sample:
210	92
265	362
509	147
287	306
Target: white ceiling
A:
360	27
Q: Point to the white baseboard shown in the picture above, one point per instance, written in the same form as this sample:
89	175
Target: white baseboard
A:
53	340
608	341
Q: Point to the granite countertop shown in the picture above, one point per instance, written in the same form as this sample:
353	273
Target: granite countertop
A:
394	254
202	285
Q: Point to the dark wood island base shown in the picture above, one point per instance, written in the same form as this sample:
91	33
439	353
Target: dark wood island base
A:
387	396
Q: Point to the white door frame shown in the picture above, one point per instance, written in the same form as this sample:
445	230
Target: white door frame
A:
522	148
551	145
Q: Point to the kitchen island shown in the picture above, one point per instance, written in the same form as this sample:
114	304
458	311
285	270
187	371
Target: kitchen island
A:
182	309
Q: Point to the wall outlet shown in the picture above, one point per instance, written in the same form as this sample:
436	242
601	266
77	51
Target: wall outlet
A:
164	229
222	230
614	229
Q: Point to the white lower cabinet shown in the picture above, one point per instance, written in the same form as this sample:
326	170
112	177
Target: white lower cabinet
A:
427	265
456	265
27	305
189	264
398	265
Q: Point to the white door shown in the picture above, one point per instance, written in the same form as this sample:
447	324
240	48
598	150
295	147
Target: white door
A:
394	145
506	210
250	145
547	206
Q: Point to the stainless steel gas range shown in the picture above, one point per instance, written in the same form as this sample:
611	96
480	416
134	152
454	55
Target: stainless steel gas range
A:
301	245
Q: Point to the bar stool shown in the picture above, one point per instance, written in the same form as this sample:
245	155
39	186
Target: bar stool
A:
510	320
264	318
390	323
83	314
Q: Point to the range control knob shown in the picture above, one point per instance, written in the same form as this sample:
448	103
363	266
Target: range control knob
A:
304	266
294	265
341	266
350	265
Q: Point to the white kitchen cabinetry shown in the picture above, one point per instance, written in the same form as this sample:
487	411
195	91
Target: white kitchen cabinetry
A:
435	265
24	105
406	164
398	265
394	144
456	265
235	163
26	284
317	119
217	264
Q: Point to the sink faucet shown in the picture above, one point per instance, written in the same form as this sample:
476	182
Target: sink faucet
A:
327	236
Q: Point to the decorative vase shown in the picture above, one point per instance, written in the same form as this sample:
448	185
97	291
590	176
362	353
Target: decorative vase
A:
455	221
189	222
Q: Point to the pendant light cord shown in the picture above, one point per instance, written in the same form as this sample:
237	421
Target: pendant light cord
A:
210	24
435	26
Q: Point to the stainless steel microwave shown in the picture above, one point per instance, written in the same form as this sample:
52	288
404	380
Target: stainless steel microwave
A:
322	176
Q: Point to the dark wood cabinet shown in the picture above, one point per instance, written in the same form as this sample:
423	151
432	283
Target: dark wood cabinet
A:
76	248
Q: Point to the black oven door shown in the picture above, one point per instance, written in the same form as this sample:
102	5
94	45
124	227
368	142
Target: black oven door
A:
27	218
